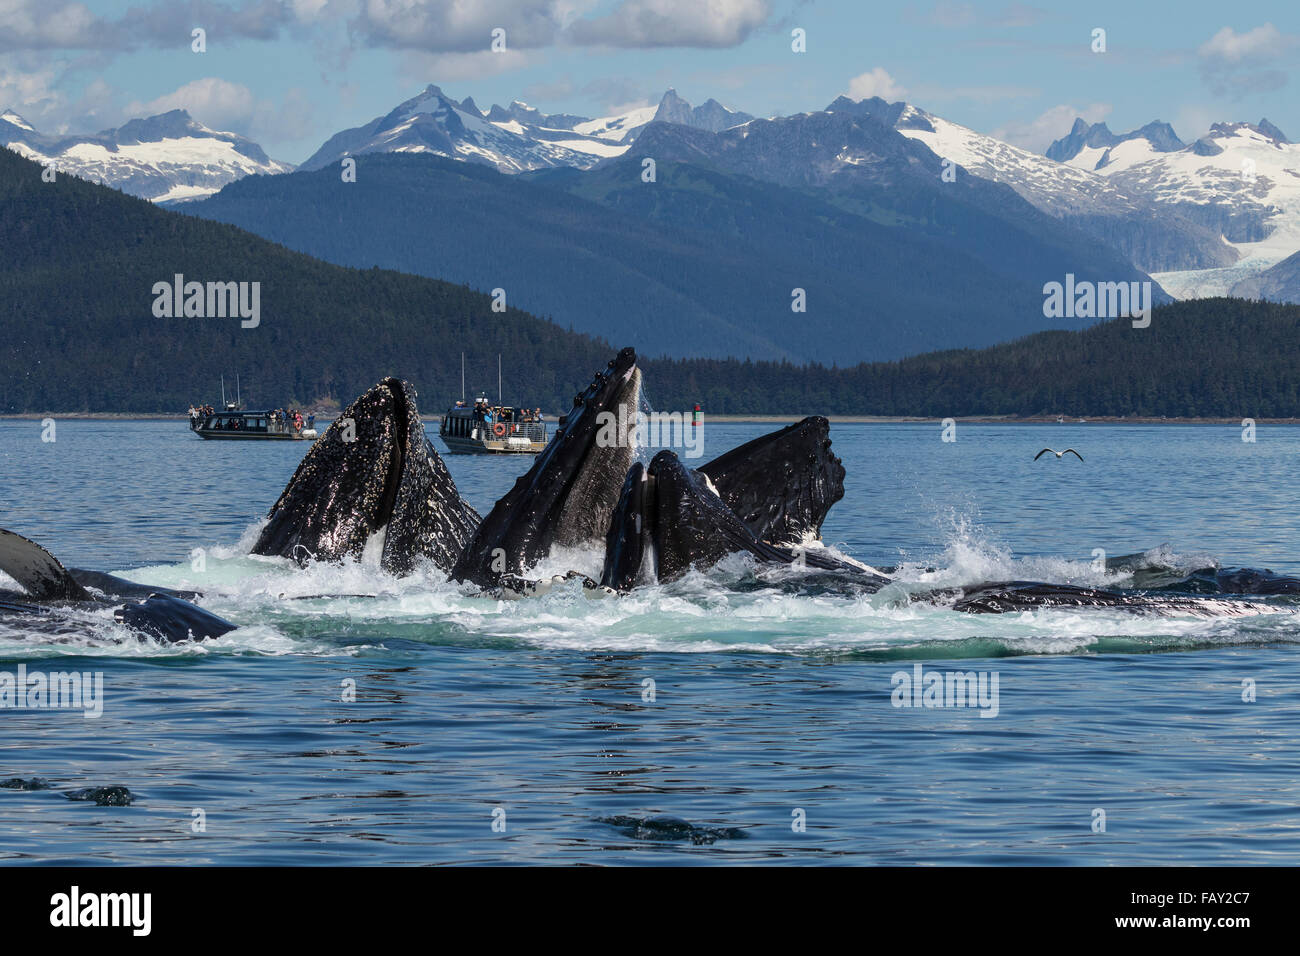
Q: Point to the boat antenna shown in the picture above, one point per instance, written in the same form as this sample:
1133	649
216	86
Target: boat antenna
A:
498	378
238	400
462	378
223	392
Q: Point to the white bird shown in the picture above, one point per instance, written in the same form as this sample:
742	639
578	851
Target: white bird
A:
1058	454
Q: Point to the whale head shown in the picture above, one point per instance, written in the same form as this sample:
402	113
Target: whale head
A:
668	520
372	481
671	519
781	484
568	495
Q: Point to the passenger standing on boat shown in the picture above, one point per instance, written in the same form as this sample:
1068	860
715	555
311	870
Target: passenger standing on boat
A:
311	421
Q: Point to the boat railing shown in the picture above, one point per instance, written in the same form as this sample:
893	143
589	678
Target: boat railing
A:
533	431
221	421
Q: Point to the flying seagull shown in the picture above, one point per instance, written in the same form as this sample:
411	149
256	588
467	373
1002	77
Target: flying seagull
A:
1058	454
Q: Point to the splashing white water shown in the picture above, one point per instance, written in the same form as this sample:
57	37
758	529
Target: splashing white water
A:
355	608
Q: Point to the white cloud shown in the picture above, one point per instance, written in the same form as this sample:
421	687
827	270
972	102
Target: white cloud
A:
430	26
43	25
29	92
1235	64
681	23
1261	43
216	103
875	82
61	24
232	107
437	26
1037	134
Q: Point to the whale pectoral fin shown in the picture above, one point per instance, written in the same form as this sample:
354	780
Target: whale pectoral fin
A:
39	572
171	619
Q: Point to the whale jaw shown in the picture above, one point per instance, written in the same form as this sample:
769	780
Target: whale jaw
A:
374	470
782	484
567	497
670	520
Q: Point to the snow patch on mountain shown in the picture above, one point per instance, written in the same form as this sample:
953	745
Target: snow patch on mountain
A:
165	158
1095	203
1241	179
515	138
622	128
1044	183
511	139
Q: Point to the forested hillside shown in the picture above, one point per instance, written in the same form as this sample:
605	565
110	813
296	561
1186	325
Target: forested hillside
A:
78	263
702	263
1208	358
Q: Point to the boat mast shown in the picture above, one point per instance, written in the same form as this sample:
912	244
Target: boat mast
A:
498	379
462	378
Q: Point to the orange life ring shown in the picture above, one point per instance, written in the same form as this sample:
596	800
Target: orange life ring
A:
499	429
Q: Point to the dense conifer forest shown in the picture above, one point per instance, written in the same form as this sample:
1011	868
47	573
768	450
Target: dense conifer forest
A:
78	263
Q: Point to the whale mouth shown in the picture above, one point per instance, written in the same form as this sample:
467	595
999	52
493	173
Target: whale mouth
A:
347	487
372	487
670	519
567	497
580	516
781	484
397	455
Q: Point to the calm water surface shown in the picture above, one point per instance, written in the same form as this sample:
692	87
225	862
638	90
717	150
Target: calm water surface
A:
768	707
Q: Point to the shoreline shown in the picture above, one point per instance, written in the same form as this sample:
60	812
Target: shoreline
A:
742	419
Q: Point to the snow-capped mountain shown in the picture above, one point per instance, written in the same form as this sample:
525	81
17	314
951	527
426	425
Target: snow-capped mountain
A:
1084	199
165	158
514	138
711	115
1085	147
1241	180
13	119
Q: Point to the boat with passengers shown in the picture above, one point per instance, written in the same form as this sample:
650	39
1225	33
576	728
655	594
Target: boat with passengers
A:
487	429
233	422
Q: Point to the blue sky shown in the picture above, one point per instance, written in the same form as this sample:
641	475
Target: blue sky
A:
290	73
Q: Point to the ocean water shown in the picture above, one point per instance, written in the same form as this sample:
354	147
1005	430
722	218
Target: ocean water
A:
732	717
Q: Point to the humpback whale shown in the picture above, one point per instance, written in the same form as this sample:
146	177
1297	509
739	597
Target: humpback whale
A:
374	485
48	587
1031	595
782	484
670	519
387	488
567	497
372	480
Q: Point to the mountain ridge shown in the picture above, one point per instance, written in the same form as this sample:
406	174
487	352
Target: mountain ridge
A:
165	157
